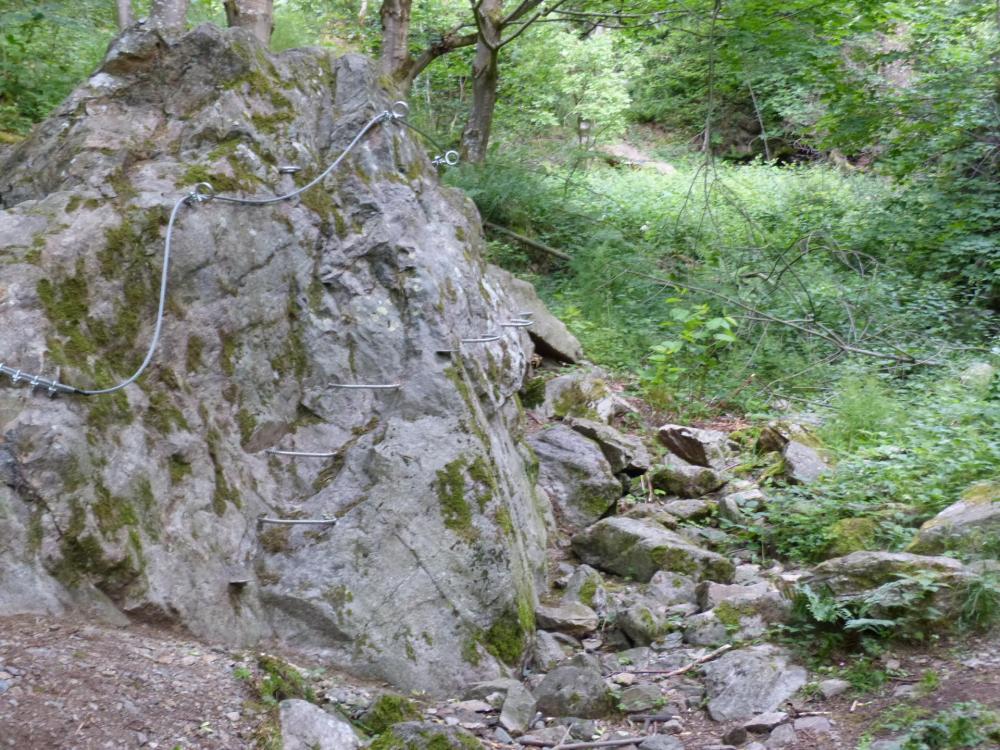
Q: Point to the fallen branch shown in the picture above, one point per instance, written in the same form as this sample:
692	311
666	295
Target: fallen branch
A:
686	668
808	327
527	241
582	745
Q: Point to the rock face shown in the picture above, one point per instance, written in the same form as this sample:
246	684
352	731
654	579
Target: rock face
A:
575	476
146	502
638	549
968	525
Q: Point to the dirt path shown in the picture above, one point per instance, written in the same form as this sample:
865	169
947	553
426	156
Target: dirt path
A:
71	686
64	684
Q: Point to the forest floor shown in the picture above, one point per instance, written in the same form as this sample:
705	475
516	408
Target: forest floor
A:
70	685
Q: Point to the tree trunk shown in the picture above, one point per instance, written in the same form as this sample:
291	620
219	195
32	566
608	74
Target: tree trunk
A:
169	16
476	136
125	17
395	58
255	15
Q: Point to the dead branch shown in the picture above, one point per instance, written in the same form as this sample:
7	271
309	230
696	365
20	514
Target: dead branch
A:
811	328
686	668
527	241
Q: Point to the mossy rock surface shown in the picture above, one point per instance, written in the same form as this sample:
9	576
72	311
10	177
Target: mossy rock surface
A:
970	527
421	735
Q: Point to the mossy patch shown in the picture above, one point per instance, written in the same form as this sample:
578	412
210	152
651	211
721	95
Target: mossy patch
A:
851	535
673	559
533	393
195	348
224	494
275	539
455	510
388	709
281	681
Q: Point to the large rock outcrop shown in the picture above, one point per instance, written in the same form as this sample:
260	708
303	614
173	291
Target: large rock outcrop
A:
145	503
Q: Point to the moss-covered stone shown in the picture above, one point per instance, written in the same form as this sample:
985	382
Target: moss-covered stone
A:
851	535
388	709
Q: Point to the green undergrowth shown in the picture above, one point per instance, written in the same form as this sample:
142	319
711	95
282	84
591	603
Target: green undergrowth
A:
905	449
962	725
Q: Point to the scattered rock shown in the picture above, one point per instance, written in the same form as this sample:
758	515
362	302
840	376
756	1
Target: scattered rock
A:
709	593
689	510
518	710
851	535
730	510
966	526
576	394
814	725
803	465
675	476
765	722
574	691
782	736
305	726
710	448
425	735
832	688
776	435
749	499
750	681
586	586
978	376
575	476
638	549
640	698
569	617
642	623
623	452
548	651
672	588
661	742
859	574
735	736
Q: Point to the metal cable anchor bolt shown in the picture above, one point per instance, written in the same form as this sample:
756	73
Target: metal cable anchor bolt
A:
201	193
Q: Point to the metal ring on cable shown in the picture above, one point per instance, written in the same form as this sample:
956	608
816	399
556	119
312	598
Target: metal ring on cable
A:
451	158
203	191
399	110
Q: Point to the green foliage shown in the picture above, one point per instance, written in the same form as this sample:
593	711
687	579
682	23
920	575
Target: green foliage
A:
681	364
964	725
388	709
927	441
901	609
280	681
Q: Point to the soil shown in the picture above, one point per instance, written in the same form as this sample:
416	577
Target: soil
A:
68	685
82	686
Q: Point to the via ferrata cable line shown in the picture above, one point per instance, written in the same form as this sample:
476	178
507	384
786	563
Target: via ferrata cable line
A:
201	193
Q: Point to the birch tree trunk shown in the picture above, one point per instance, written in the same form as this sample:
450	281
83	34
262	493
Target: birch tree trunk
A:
125	17
255	15
169	16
